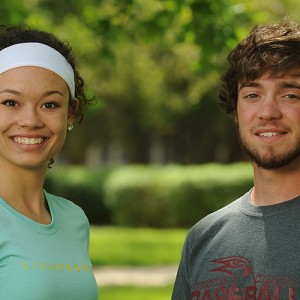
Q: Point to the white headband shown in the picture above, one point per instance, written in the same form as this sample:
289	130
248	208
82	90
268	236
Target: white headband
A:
37	55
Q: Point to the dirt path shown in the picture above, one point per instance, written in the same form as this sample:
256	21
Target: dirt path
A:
138	276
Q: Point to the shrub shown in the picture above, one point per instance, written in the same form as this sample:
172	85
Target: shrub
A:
154	196
173	196
84	187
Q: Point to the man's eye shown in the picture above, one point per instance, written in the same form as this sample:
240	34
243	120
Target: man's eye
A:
50	105
251	96
9	103
292	96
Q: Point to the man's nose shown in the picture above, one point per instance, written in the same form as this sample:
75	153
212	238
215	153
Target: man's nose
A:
269	109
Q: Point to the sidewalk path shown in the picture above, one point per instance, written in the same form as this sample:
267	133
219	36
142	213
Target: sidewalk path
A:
138	276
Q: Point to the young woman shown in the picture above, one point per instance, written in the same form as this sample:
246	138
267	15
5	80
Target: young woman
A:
43	238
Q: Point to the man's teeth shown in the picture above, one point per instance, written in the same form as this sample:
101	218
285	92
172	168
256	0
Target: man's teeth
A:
28	141
268	134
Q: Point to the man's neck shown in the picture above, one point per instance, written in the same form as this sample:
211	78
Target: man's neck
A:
275	186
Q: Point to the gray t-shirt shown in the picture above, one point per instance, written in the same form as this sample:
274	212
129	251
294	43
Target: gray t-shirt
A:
242	252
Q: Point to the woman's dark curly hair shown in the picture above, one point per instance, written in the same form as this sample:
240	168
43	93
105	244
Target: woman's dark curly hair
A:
10	35
271	49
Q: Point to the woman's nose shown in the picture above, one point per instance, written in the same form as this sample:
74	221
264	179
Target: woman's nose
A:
30	117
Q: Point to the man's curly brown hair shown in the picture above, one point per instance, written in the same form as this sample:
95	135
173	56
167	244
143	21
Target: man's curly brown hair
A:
271	49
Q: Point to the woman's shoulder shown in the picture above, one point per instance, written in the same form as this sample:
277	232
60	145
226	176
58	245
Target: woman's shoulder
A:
61	204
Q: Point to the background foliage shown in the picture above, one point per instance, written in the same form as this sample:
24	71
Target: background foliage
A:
153	67
151	196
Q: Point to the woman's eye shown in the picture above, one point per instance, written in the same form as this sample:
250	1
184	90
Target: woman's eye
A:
50	105
9	103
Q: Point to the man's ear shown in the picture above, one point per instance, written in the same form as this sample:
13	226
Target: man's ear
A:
235	116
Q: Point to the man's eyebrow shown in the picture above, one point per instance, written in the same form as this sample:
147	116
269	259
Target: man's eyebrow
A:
249	84
284	84
289	85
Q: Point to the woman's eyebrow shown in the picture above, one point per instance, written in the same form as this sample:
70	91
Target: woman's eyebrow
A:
10	91
52	92
17	93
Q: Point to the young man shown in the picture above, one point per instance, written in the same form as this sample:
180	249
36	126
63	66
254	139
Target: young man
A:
250	249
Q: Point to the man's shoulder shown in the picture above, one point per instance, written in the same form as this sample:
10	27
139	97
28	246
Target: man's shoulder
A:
215	221
223	213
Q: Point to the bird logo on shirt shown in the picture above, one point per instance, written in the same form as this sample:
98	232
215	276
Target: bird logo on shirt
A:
238	268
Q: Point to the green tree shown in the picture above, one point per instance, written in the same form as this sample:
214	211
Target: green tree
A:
154	67
12	12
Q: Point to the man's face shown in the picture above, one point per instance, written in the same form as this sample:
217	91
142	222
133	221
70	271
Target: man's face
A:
268	119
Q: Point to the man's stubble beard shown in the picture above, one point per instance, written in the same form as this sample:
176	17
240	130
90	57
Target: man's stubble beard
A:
270	159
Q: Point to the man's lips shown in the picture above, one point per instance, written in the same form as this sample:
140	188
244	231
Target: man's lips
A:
269	132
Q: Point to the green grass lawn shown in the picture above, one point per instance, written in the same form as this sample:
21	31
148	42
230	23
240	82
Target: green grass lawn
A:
135	293
118	246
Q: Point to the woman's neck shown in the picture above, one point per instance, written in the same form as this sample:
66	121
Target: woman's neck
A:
22	189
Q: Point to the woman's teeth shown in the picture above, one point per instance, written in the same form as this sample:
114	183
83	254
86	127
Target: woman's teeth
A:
28	141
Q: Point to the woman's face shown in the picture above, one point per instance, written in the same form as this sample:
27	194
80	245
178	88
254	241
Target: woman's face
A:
34	115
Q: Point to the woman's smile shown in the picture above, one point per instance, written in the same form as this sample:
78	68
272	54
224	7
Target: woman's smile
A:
28	141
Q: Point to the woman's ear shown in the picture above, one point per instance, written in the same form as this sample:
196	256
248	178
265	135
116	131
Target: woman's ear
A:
73	108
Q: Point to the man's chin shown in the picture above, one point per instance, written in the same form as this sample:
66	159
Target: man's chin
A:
272	165
274	162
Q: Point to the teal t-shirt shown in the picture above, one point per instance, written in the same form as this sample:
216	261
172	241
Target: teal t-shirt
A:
46	262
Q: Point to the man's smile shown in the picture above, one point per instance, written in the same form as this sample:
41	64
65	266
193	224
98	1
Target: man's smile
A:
268	134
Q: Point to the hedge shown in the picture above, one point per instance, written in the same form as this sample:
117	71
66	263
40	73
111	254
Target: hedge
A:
173	196
154	196
84	187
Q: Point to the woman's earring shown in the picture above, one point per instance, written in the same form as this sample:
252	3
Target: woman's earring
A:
70	127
